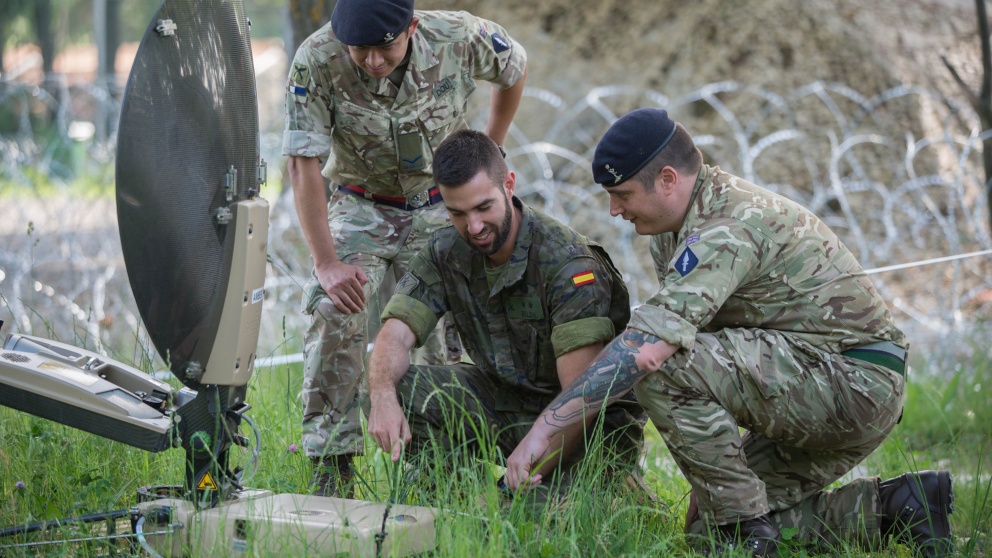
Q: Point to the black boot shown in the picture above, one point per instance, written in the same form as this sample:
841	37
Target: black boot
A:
914	509
333	476
757	535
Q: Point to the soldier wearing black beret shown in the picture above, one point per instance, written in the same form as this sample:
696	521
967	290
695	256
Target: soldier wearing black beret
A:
763	321
371	23
370	95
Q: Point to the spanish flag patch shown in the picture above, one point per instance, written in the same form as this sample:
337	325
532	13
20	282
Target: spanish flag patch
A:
583	278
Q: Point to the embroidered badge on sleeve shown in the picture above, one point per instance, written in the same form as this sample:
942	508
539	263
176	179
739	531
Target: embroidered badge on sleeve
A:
298	79
686	262
584	278
499	43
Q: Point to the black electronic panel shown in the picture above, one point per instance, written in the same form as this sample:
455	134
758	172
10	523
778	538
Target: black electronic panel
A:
187	148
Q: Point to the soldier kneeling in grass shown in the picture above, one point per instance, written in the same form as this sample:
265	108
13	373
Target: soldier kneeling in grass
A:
764	321
534	302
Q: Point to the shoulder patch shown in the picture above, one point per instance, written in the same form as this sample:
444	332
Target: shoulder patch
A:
301	74
692	239
499	43
482	30
686	262
584	278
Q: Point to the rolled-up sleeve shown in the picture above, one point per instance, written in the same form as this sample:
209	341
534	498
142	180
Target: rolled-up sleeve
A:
663	324
309	120
419	299
413	313
497	58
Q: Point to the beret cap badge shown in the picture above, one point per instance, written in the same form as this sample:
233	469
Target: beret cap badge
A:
617	177
370	23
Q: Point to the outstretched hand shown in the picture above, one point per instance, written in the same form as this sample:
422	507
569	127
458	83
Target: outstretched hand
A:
526	458
388	426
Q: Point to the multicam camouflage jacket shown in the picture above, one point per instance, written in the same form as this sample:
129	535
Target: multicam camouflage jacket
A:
748	258
381	136
558	292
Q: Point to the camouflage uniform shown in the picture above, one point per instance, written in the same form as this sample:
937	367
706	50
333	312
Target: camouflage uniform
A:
557	293
763	300
381	137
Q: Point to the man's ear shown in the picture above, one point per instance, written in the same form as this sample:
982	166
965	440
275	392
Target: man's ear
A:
667	179
509	183
413	25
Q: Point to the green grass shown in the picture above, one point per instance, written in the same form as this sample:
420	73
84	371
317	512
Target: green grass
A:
66	472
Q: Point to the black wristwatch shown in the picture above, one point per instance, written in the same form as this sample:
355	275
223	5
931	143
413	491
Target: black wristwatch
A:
502	151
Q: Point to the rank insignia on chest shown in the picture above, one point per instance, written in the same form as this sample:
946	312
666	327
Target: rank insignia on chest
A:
584	278
686	262
524	308
499	43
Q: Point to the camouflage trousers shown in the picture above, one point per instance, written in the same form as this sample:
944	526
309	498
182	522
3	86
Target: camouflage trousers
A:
809	417
461	408
380	240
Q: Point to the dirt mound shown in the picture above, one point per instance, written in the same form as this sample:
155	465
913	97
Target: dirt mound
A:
675	47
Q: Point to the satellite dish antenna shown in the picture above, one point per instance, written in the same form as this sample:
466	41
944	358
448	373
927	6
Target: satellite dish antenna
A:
194	232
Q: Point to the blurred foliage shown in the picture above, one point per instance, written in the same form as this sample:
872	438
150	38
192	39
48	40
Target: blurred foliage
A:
73	20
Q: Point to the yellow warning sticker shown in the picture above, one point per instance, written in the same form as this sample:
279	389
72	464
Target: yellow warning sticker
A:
207	483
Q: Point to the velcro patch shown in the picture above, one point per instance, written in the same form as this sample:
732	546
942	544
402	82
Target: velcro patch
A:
445	86
421	268
297	90
584	278
301	74
499	43
524	308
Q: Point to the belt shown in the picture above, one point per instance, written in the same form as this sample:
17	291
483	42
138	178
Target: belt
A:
430	197
883	353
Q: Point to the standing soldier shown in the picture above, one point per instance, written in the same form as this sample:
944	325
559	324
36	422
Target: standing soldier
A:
370	96
765	321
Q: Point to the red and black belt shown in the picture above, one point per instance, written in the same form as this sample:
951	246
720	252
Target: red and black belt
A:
423	199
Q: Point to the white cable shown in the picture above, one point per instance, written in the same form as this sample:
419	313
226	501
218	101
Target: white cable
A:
141	538
927	262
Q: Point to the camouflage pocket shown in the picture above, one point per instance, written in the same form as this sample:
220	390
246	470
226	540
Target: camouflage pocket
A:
774	361
365	132
312	293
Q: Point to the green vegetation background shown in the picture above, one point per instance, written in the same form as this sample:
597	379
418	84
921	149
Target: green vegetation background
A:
49	471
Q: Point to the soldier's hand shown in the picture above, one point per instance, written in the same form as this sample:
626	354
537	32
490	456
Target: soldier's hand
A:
525	458
344	284
388	425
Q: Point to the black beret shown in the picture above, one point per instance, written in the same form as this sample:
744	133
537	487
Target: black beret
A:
370	22
633	140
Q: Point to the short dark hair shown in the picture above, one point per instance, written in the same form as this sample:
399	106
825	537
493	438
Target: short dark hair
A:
680	153
463	154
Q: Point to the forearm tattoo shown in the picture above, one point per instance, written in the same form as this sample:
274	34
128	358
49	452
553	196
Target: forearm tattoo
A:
612	374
